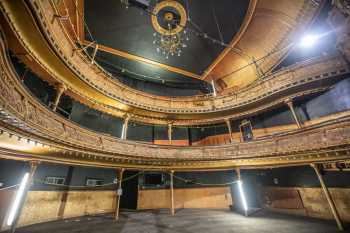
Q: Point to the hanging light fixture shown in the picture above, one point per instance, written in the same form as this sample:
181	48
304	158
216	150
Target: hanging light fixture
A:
170	45
169	20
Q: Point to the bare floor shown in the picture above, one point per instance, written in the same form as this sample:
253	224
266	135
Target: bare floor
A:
186	221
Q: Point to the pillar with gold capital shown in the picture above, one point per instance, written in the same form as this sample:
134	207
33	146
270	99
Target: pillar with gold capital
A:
290	105
170	132
60	89
125	127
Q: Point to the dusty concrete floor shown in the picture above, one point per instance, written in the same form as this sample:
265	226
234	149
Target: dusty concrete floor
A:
186	221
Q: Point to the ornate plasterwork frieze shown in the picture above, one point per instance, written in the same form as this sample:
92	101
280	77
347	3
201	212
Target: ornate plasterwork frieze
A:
22	116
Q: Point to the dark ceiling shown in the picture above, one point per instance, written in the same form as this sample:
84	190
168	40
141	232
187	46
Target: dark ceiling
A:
130	30
151	79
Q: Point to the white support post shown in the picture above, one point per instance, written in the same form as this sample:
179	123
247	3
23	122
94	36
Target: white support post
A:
170	132
213	86
228	123
125	127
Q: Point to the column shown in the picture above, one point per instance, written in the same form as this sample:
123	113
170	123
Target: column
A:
328	196
125	127
213	86
170	132
60	88
238	171
172	208
228	123
289	102
119	192
26	186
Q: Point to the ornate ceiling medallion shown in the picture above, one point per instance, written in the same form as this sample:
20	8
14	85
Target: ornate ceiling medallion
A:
169	20
169	11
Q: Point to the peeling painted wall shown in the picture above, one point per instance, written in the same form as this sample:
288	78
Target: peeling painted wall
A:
308	201
43	206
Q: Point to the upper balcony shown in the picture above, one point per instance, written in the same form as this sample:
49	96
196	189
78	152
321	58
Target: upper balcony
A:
32	131
50	48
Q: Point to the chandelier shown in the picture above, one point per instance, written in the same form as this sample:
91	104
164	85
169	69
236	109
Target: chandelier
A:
169	19
170	44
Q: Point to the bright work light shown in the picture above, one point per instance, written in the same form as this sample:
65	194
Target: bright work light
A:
18	199
308	41
241	192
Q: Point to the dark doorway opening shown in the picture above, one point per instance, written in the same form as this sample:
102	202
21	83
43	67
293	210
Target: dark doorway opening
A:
130	191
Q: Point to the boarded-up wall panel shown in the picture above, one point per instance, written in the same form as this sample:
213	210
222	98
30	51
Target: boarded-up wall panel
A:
313	200
283	198
218	197
42	206
315	203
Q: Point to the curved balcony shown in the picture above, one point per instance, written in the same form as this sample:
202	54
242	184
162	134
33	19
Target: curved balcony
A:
32	131
94	87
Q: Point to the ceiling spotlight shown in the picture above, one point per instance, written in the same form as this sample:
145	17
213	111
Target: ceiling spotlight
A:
308	41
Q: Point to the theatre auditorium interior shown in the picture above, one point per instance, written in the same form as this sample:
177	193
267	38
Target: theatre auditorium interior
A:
174	116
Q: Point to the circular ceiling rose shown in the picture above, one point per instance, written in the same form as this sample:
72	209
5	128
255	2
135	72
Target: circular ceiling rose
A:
169	12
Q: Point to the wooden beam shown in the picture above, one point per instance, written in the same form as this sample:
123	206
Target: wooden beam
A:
144	60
